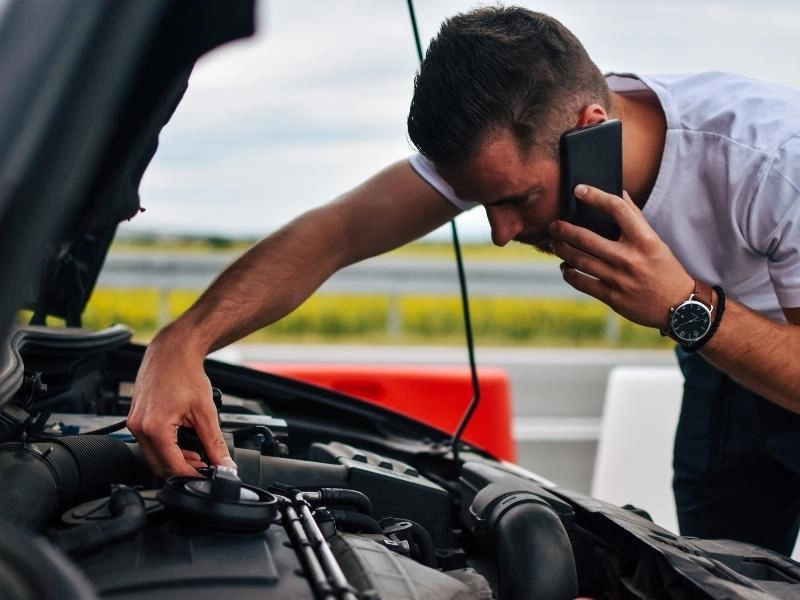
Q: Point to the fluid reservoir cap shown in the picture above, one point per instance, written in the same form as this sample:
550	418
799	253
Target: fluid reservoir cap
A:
224	484
220	502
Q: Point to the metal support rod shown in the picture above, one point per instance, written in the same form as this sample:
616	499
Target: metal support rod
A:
323	551
462	279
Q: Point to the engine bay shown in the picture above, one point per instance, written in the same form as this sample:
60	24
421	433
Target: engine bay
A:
333	498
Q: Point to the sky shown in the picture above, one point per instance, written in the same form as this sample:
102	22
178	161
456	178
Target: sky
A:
316	101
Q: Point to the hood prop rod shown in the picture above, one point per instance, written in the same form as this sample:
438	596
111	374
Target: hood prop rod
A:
462	280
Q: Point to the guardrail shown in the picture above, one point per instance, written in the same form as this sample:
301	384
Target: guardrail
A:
388	275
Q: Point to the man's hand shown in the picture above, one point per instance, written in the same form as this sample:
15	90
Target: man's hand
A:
640	278
637	276
172	390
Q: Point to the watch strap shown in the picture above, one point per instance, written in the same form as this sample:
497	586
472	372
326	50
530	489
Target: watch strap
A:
702	293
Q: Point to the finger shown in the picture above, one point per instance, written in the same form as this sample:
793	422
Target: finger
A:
159	443
608	203
153	459
171	455
581	260
582	239
164	455
584	282
621	208
190	456
195	463
206	425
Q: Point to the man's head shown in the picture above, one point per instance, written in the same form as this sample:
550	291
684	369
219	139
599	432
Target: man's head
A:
497	89
500	68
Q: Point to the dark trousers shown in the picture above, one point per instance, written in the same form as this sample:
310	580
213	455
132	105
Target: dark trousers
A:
736	462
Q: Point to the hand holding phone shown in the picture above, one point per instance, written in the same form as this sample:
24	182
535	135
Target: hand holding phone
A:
591	155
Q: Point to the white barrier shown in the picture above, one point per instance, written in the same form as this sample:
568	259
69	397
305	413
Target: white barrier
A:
633	464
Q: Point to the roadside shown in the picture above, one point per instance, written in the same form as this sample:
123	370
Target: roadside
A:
557	394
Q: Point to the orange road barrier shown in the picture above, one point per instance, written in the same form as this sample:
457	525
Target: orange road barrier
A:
437	396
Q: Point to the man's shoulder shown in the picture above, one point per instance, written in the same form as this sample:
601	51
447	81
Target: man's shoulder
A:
706	84
712	80
749	111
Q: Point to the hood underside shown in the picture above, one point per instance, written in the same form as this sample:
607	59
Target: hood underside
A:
84	100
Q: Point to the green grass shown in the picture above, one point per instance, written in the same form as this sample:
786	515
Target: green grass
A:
379	319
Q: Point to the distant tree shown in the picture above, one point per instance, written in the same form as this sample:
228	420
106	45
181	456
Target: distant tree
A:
219	242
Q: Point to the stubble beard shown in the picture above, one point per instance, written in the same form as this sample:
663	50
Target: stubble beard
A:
542	243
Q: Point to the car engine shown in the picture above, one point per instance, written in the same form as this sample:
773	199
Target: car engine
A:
333	498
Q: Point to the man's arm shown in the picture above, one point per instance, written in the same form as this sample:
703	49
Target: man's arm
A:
640	278
263	285
759	353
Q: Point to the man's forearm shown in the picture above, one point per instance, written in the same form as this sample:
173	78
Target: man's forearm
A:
276	275
759	353
266	283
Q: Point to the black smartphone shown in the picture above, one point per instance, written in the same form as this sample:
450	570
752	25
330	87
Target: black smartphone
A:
591	155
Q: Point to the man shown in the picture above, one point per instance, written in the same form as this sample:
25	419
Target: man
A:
712	179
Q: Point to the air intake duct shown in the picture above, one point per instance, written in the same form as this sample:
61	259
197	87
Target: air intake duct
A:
51	476
534	554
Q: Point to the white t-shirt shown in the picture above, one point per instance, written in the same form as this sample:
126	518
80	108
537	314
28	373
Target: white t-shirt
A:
727	196
428	172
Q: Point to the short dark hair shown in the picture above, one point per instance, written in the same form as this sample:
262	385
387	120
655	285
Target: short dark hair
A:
500	67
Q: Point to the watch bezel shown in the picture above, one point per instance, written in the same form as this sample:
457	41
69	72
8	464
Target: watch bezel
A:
681	308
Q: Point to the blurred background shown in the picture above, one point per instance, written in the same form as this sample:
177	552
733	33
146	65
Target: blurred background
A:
317	101
314	104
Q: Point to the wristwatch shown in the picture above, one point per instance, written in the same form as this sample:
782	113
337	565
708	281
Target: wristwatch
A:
690	321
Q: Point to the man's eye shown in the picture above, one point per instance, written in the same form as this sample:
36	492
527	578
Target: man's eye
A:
525	200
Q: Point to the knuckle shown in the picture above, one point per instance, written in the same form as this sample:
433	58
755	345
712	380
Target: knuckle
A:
652	241
630	262
580	263
616	208
152	428
133	423
219	443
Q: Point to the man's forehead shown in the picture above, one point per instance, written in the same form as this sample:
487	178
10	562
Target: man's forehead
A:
498	172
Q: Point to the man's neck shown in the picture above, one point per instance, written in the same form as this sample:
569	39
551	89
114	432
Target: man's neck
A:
644	131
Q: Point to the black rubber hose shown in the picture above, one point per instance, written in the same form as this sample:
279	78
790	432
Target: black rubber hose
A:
356	522
533	551
129	516
354	498
32	569
534	555
423	549
265	471
425	543
33	500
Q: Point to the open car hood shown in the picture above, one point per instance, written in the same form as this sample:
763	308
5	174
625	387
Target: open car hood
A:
85	88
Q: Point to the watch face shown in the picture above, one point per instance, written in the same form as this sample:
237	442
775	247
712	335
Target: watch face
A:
690	321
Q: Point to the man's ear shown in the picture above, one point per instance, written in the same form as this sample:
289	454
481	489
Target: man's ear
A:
589	115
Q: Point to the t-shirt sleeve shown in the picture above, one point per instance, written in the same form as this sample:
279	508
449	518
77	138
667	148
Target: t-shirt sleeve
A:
777	212
428	172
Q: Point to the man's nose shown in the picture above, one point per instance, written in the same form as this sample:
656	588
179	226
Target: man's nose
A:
505	224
